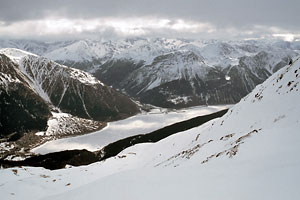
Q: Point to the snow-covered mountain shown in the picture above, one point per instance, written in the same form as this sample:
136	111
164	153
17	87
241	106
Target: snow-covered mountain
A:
21	108
249	153
55	87
196	73
172	72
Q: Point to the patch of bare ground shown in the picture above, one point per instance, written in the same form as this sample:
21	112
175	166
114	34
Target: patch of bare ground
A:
230	152
186	153
72	126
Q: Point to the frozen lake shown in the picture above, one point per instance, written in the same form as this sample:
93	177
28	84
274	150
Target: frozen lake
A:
138	124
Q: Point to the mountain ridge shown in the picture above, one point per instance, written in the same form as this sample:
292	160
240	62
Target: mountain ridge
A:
56	88
150	69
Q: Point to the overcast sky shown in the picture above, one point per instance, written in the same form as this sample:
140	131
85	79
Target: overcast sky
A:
219	19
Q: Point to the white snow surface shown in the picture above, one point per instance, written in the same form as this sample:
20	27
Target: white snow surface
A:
62	124
249	153
139	124
15	54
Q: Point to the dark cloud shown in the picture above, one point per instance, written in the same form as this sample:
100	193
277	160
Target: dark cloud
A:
235	12
221	13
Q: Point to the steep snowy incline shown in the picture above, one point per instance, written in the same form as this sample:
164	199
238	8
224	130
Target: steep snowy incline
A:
15	54
249	153
166	68
270	110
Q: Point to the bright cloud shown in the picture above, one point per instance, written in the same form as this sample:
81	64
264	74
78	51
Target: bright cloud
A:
136	26
287	36
125	27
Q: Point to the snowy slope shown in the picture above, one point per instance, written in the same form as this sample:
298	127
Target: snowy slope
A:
166	68
87	51
80	51
249	153
35	47
15	54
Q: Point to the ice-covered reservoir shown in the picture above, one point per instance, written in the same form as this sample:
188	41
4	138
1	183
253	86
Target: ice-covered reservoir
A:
138	124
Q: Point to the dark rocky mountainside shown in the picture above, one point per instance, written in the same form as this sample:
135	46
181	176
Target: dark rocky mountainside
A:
77	92
21	109
183	79
32	86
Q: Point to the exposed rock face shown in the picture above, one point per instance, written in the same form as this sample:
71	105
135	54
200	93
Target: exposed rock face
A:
21	109
77	92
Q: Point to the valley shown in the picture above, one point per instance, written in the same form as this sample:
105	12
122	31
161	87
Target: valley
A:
149	100
114	131
253	147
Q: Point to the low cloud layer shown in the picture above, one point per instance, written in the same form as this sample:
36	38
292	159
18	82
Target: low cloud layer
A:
231	19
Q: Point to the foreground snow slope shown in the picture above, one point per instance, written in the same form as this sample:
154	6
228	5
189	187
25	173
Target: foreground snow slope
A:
249	153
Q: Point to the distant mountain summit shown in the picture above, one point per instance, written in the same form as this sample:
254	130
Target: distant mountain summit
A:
32	86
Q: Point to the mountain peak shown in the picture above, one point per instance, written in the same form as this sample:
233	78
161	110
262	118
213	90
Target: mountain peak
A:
15	54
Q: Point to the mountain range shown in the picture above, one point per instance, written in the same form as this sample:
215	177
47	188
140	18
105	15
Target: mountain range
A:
172	73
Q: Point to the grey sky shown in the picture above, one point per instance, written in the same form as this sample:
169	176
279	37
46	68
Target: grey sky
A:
221	17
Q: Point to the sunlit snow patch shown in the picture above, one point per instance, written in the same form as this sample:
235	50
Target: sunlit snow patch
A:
227	78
